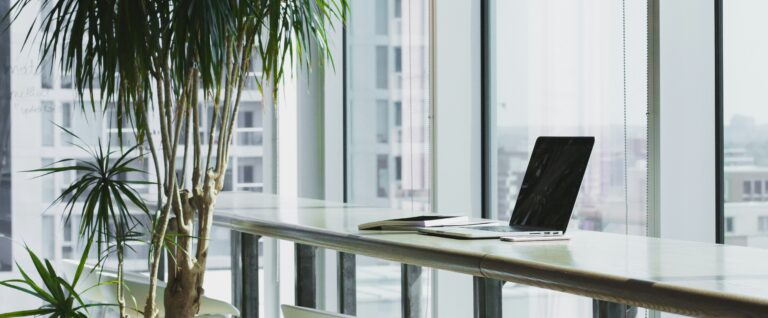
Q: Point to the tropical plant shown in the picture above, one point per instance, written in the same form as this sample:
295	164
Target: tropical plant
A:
156	60
61	298
108	199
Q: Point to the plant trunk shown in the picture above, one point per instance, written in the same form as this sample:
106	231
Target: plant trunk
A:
186	269
120	282
182	295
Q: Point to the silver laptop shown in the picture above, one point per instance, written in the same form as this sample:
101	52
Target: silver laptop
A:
548	193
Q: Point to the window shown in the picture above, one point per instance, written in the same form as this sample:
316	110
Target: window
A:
249	174
762	224
382	176
249	125
398	114
388	126
66	81
573	68
228	179
382	17
68	243
49	188
47	123
66	122
49	241
398	59
46	73
745	157
729	224
123	122
382	121
245	174
382	67
398	168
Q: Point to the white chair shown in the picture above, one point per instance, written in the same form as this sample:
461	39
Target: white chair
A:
302	312
137	288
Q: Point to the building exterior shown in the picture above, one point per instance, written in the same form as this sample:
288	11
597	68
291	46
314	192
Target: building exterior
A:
388	104
746	206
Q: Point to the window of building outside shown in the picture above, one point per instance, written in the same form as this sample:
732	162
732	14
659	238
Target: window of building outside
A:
729	224
762	224
388	128
249	125
571	68
745	122
46	74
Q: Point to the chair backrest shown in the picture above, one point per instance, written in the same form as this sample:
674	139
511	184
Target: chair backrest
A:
301	312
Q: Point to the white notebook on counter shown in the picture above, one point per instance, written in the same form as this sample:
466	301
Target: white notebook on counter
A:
420	222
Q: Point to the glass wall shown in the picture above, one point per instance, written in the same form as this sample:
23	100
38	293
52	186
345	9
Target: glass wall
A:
571	68
745	123
388	127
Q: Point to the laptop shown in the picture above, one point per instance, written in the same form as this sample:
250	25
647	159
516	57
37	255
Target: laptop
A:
547	195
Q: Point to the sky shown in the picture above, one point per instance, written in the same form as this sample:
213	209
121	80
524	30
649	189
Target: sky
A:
745	59
558	70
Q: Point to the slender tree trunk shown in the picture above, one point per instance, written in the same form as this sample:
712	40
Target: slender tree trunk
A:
120	282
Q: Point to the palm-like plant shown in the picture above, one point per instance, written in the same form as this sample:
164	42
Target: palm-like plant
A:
108	202
156	60
60	297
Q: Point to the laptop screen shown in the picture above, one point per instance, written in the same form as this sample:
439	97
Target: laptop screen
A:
552	181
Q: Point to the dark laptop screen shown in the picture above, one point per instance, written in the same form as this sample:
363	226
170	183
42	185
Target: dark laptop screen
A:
552	181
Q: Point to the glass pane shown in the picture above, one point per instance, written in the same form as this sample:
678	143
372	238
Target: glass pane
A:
249	170
46	74
49	243
66	122
47	122
388	127
49	187
250	138
571	68
745	123
66	81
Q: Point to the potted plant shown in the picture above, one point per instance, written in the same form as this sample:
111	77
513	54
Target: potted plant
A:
154	61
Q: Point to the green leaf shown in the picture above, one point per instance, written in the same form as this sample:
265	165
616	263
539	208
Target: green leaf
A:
83	260
27	313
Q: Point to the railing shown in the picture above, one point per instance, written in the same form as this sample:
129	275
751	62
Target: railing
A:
245	266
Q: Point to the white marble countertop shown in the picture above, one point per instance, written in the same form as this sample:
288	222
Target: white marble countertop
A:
676	276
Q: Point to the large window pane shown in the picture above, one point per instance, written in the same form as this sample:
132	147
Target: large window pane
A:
572	68
388	126
745	123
